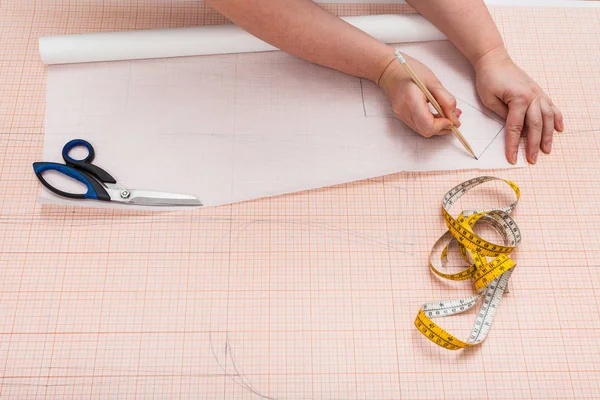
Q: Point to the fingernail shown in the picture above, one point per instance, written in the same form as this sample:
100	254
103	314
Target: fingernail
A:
534	157
513	159
548	146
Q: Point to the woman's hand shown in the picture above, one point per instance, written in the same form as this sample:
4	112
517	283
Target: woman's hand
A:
513	95
410	104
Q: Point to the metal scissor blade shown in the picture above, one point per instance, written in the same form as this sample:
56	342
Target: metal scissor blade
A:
149	198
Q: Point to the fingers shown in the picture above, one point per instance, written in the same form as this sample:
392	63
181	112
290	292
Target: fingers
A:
424	121
517	109
549	119
540	117
559	123
558	117
412	108
446	101
535	125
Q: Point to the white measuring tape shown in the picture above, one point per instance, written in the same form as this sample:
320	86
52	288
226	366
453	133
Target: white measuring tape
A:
490	276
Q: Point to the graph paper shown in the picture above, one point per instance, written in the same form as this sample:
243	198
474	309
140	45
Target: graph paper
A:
308	295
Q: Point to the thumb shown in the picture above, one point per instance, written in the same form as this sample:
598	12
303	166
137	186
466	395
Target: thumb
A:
446	101
495	104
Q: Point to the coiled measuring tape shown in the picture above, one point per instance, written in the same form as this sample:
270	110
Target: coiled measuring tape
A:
490	276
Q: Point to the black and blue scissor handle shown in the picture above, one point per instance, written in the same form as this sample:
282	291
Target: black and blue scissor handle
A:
80	170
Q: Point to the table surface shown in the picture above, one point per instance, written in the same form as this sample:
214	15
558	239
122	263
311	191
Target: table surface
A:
309	295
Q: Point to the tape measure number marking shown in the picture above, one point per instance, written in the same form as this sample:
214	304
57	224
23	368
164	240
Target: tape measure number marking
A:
490	277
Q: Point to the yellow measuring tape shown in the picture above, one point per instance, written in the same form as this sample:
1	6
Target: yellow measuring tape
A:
490	276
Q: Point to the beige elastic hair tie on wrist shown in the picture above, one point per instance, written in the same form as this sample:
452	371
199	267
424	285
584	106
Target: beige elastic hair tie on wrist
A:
385	69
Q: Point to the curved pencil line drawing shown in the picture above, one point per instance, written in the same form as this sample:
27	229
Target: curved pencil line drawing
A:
238	373
357	237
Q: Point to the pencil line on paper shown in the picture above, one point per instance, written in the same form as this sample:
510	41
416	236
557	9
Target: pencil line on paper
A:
362	95
229	355
490	114
492	141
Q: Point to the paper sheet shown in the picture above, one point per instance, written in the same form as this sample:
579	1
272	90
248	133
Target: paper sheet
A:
235	127
305	296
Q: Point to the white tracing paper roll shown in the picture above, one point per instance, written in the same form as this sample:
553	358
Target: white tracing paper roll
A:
215	113
210	40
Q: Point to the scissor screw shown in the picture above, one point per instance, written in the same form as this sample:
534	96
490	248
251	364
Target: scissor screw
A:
125	194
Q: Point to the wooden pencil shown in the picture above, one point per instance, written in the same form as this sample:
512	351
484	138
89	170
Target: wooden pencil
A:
432	100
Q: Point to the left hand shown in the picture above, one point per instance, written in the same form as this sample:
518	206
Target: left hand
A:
513	95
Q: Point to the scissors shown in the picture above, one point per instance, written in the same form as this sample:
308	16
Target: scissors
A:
101	185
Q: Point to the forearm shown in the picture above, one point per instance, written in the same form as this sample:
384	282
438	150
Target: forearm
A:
467	23
305	30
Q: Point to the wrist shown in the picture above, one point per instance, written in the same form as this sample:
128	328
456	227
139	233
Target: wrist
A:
382	65
391	75
495	55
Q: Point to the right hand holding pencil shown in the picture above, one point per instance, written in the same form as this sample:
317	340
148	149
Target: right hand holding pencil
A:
410	104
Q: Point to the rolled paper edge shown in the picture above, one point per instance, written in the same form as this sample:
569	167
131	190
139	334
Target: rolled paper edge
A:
210	40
